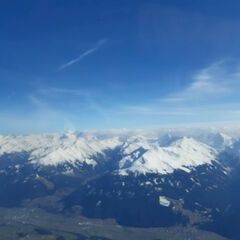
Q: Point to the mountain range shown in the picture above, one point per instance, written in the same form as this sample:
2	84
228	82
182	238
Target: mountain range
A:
138	178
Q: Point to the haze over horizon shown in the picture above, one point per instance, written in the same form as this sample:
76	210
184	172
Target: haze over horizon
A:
118	64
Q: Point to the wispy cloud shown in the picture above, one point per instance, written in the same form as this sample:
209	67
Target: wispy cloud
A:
40	117
154	110
86	97
83	55
220	81
215	79
211	92
55	104
54	91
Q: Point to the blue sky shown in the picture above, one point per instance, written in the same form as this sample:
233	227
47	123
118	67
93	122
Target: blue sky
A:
118	64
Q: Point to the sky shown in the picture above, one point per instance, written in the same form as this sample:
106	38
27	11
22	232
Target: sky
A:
104	64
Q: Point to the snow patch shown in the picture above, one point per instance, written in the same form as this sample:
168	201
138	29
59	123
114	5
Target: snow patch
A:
164	201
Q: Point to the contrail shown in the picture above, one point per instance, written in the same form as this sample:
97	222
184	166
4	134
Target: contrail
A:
83	55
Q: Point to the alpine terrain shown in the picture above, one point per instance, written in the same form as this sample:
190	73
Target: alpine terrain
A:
120	185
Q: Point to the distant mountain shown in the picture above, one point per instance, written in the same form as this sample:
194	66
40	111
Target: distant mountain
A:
57	149
148	157
141	180
217	140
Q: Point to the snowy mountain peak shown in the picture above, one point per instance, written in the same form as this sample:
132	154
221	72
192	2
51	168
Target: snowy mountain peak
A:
57	148
183	154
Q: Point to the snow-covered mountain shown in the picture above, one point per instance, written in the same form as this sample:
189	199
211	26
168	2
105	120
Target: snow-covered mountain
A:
58	149
155	179
184	153
135	153
217	140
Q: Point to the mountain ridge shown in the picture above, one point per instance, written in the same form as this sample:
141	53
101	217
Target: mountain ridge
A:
145	152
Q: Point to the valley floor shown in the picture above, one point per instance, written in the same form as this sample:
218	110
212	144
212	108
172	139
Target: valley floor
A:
38	224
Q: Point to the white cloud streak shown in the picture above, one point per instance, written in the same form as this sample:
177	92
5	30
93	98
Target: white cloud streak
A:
83	55
212	91
215	79
53	92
